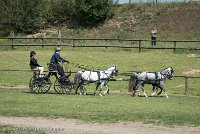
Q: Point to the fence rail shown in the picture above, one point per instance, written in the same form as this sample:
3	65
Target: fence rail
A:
74	40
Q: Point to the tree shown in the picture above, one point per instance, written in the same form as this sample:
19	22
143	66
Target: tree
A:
21	16
92	12
60	11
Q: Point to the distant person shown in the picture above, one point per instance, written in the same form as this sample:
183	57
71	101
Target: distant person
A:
55	59
153	36
34	65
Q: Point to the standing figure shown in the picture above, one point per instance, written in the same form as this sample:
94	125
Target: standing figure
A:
153	36
34	65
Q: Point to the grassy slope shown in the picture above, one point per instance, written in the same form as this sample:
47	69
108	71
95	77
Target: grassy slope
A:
173	21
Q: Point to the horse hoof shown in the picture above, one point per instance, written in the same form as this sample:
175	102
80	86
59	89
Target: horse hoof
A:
152	94
132	94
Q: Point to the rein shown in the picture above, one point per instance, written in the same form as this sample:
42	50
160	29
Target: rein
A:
84	67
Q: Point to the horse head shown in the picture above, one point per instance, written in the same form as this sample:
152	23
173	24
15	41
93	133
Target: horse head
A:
169	72
114	71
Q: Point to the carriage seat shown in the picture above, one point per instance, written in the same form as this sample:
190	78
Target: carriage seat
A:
35	71
52	67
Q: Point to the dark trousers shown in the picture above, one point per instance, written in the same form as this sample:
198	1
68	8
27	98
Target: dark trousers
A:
153	41
60	70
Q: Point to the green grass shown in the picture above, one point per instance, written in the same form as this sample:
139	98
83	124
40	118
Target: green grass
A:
178	110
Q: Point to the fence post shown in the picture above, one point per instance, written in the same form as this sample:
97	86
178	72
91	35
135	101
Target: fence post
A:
139	46
73	43
59	37
106	45
186	85
42	42
12	40
174	46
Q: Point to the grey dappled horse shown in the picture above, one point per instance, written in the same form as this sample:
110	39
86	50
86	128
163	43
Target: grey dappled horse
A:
101	78
157	80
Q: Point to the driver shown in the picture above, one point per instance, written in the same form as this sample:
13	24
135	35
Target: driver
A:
55	59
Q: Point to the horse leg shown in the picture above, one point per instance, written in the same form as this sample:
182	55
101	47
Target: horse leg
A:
84	90
133	91
161	89
76	89
101	88
161	86
154	91
82	87
97	86
143	90
107	90
135	88
165	93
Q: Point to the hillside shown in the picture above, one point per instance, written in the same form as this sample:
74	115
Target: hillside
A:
173	21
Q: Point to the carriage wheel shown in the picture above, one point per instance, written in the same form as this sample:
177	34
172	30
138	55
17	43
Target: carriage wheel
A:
39	85
62	86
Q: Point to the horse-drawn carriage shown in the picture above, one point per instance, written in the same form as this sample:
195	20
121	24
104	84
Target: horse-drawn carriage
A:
42	84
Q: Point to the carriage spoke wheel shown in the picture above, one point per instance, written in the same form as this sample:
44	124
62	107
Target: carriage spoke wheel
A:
39	85
62	86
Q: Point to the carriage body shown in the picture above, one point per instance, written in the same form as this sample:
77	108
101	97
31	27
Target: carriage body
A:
42	84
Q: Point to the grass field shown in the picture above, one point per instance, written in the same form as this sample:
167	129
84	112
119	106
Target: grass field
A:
16	100
178	110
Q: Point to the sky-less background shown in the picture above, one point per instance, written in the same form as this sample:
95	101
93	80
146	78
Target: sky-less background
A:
137	1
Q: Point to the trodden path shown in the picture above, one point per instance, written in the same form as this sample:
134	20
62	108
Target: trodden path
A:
71	126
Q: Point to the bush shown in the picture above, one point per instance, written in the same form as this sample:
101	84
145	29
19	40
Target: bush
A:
29	16
60	11
92	12
21	16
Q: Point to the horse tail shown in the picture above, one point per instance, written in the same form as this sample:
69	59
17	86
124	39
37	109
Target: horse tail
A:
132	82
77	81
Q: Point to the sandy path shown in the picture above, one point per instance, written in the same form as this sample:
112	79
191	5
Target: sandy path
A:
70	126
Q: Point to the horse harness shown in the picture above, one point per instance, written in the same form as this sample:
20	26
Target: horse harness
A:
154	82
99	76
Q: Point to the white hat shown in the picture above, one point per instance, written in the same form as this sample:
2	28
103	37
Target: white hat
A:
57	49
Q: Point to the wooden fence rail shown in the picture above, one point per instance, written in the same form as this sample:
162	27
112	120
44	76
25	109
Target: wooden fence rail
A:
74	40
124	74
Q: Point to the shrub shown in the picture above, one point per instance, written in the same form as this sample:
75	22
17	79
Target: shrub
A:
21	16
92	12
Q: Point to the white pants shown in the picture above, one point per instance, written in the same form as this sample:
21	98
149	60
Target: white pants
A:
41	69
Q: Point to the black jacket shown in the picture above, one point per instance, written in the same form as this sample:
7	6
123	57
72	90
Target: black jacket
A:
33	63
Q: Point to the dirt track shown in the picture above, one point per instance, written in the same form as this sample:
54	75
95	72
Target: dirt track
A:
70	126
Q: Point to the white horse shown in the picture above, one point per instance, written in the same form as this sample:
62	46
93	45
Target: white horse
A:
101	78
157	80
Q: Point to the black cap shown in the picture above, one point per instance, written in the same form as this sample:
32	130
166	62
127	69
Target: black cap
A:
32	52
